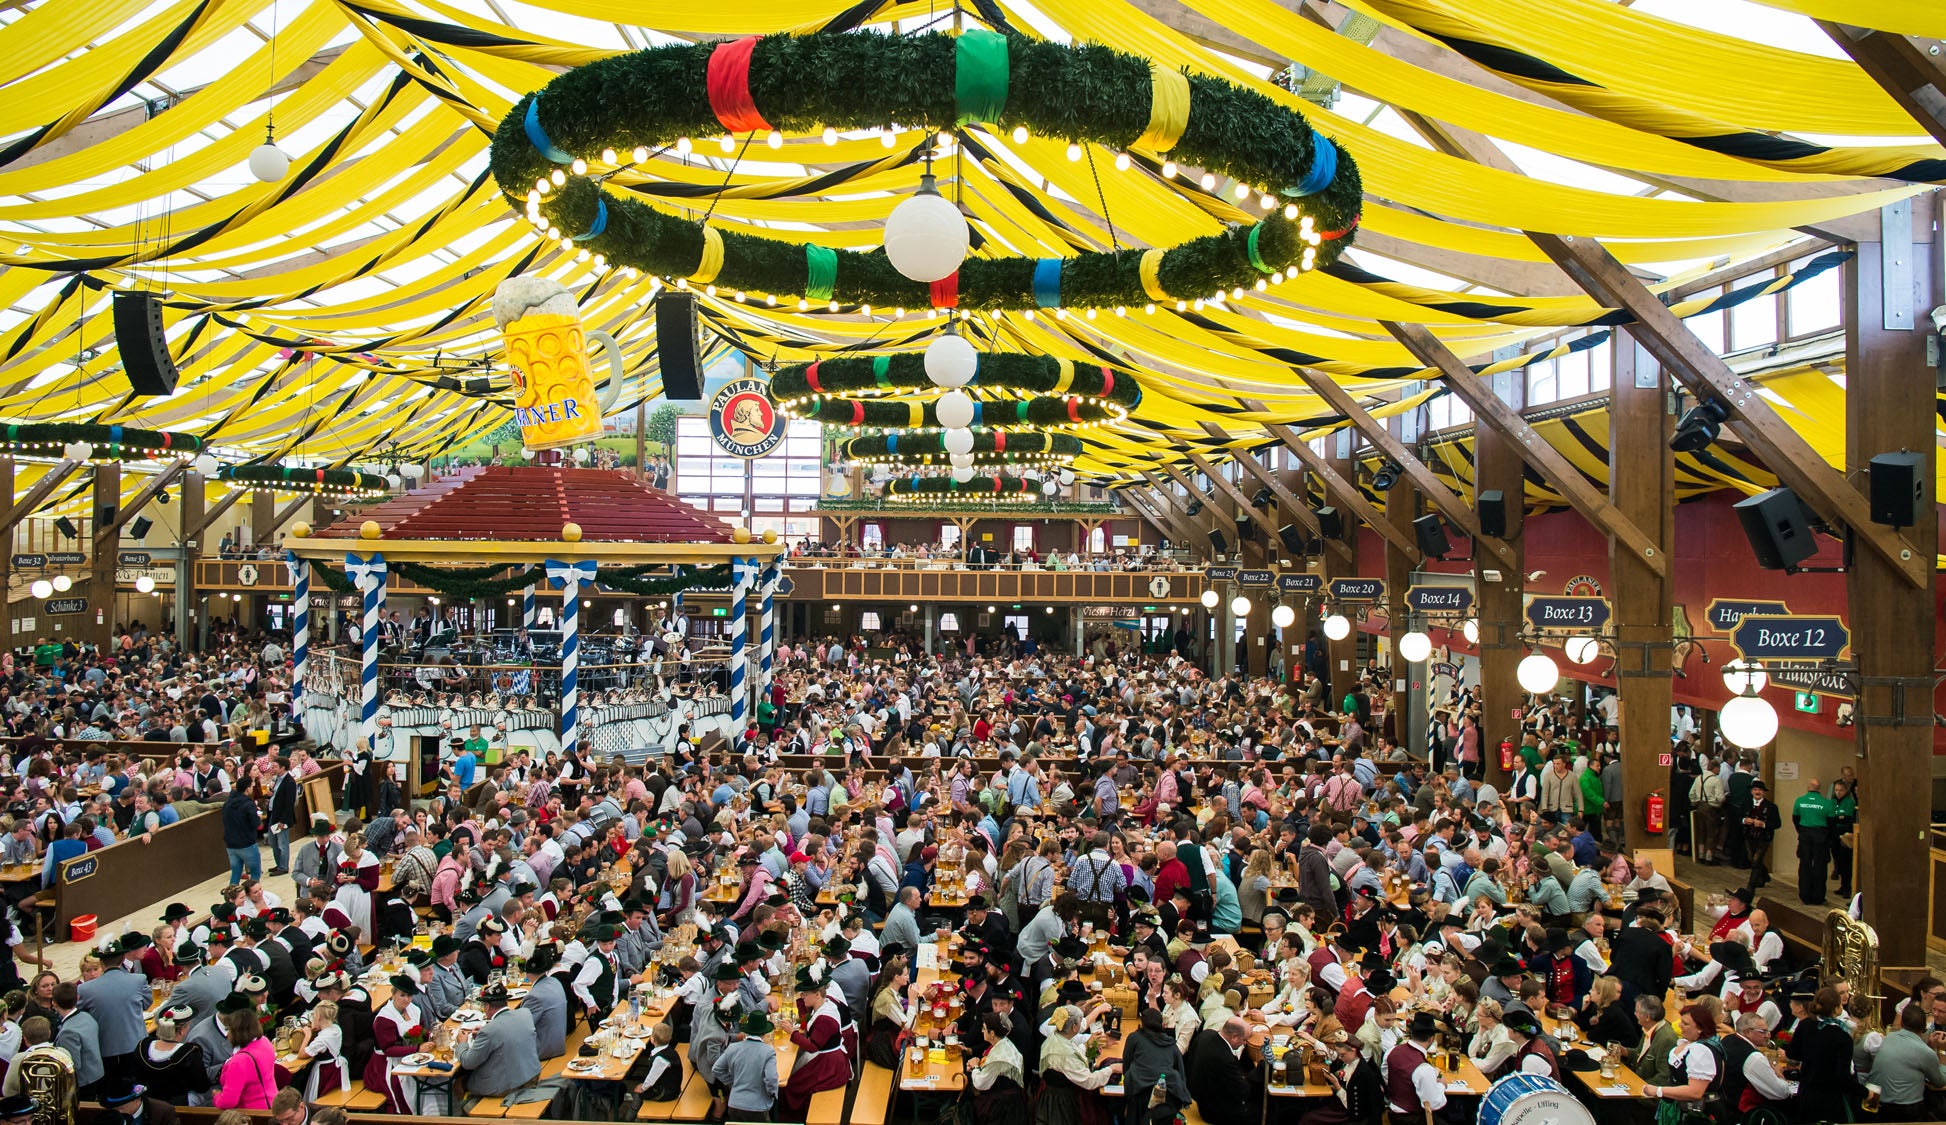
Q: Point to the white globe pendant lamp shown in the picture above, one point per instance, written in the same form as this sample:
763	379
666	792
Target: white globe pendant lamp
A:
957	440
205	465
1537	673
1240	606
1415	647
1337	627
960	460
77	451
1748	721
962	473
954	410
1283	616
1471	631
1067	476
1581	649
268	162
41	588
1049	488
951	361
144	585
63	583
1744	677
926	236
1209	599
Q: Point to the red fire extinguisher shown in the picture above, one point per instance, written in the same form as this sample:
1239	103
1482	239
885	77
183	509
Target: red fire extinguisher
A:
1507	754
1658	813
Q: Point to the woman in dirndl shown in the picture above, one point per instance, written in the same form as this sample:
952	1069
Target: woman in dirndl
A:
398	1032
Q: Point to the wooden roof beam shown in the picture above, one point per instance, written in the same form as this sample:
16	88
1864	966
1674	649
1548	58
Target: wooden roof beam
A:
1783	451
1346	491
1911	69
1299	510
1535	449
1165	503
37	495
134	504
1157	515
1456	510
1230	489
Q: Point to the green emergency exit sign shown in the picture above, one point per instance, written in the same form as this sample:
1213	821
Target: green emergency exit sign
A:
1807	702
720	611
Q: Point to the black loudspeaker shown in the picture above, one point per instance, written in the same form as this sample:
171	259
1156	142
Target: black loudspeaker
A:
1778	530
143	346
1431	534
1246	530
1329	525
675	344
1492	507
139	528
66	527
1292	537
1897	488
104	514
1219	543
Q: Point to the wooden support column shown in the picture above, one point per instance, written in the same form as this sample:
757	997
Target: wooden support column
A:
1642	486
7	550
263	518
97	625
1340	473
190	518
1891	286
1497	603
1401	507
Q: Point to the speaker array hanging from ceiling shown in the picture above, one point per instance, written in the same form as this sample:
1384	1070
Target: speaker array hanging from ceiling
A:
677	346
1246	530
1263	498
1699	428
1292	537
144	347
1195	507
1778	528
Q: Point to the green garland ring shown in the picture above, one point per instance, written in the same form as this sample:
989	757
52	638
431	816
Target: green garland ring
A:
990	447
999	486
111	443
795	386
647	100
348	483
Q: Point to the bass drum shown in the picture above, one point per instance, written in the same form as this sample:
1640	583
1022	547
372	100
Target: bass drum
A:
1530	1099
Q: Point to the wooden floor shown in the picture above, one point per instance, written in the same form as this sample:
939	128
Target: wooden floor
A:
1780	892
65	957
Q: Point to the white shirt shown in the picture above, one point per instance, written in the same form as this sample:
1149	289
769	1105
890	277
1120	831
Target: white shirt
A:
1757	1071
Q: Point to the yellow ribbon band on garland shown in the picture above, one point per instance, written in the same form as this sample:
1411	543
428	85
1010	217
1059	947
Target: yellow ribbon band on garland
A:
917	411
1168	109
712	263
1152	275
1066	380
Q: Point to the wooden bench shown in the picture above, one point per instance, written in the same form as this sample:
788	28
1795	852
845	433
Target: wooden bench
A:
666	1111
695	1102
872	1104
827	1107
354	1098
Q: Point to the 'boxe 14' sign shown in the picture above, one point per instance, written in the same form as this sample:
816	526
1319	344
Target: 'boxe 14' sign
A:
1439	599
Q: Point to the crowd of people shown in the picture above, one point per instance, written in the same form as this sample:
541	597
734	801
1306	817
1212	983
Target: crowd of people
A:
1262	855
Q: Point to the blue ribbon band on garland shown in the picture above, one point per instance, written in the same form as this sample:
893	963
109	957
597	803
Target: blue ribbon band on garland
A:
891	443
1047	283
1323	170
537	136
978	411
600	224
114	435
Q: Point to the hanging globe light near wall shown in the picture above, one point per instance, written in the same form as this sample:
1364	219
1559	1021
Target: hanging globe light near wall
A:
1748	721
1415	647
926	236
1337	627
1537	673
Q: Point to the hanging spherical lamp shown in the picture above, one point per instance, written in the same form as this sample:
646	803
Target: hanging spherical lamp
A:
62	583
206	465
77	451
960	460
1067	476
1415	647
1240	606
926	236
951	361
1209	599
1537	673
1337	627
954	410
1581	649
41	588
957	441
962	473
1049	488
268	162
1745	677
1748	721
1283	616
144	585
1471	631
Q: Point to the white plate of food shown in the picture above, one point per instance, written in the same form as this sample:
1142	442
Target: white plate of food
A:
420	1059
584	1066
518	993
635	1032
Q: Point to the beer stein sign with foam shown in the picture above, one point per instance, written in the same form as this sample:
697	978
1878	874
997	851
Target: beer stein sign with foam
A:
554	388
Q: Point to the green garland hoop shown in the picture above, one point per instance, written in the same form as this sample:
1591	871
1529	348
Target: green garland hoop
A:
347	483
111	443
990	447
796	386
609	110
486	582
1071	413
998	486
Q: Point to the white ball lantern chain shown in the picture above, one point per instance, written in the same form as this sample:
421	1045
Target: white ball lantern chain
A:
962	473
957	440
954	410
926	236
951	361
1537	673
1337	627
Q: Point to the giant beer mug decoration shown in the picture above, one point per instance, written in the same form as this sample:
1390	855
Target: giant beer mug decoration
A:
554	387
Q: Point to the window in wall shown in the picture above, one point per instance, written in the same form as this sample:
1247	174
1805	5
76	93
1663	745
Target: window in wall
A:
1709	326
1601	367
868	622
872	536
1016	623
949	535
949	622
1815	305
1446	411
788	480
1753	324
621	617
1543	386
1023	537
1098	540
1571	375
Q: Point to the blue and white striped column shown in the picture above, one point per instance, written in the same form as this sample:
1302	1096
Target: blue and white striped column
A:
528	614
369	574
300	631
570	576
767	628
743	571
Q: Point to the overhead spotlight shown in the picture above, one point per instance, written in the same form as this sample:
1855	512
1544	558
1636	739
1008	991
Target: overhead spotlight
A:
1699	427
1386	477
1263	497
1195	507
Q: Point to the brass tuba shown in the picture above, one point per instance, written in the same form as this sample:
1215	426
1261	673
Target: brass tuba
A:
1851	954
47	1073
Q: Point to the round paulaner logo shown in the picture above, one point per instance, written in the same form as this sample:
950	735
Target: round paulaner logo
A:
743	419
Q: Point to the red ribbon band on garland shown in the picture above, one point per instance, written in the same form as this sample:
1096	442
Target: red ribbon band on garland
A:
165	439
945	292
997	486
320	476
1074	411
999	441
811	377
1333	234
1107	382
857	413
728	85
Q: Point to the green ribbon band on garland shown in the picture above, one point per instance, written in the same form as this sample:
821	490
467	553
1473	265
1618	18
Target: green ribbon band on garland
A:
980	75
477	583
821	272
882	371
1020	410
1256	259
